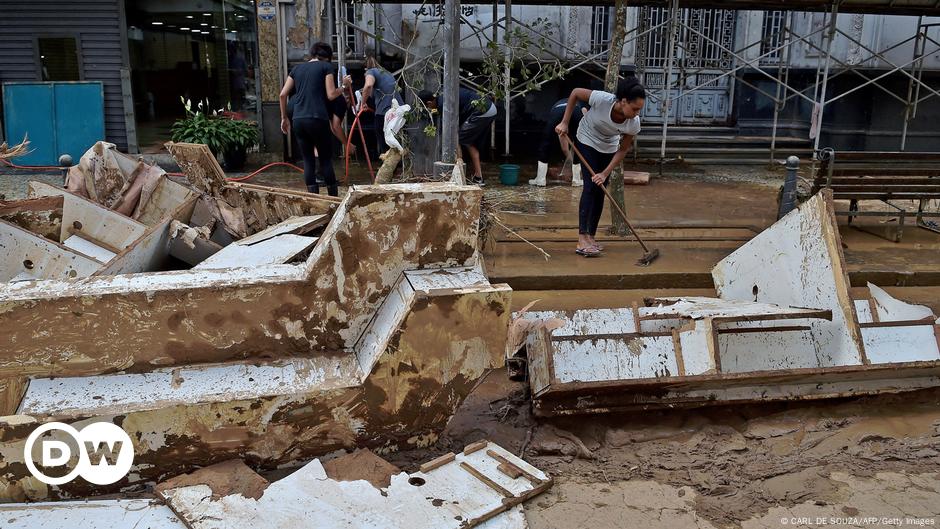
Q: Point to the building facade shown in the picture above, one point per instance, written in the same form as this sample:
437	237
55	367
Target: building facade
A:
727	68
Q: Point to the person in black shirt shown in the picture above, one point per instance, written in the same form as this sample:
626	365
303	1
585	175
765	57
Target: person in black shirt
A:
313	86
476	113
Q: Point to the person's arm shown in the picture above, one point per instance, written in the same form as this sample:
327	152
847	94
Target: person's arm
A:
332	91
626	141
578	94
368	87
285	93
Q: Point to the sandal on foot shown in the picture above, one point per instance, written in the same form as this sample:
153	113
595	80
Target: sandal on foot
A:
587	252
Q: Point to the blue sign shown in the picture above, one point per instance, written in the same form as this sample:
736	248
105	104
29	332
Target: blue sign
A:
266	10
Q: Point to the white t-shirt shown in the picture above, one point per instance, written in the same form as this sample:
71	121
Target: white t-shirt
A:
597	130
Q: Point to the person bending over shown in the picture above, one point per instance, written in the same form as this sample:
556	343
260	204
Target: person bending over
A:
604	137
475	114
554	143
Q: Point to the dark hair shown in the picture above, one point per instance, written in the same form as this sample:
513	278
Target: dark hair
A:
322	50
630	89
426	96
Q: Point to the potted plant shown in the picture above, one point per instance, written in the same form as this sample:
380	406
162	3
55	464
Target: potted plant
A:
227	137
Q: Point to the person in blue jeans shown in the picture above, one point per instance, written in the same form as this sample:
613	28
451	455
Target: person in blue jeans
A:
379	91
604	137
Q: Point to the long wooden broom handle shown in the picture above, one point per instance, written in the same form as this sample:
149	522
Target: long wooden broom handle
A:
623	215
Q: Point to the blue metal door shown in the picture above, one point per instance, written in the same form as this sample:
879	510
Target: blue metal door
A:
58	117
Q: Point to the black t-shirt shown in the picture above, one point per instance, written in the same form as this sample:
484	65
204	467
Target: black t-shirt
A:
465	100
309	97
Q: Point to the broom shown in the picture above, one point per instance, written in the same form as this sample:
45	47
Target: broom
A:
650	255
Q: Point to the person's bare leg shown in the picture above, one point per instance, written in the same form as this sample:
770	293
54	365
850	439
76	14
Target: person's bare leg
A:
584	241
475	159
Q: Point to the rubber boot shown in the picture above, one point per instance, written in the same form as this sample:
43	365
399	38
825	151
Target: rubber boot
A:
576	175
540	175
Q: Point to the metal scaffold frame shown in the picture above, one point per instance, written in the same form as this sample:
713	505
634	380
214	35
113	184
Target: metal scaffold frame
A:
776	43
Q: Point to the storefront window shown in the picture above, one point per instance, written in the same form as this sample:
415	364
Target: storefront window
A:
195	49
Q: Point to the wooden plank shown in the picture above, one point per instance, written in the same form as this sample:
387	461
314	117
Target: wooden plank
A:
437	462
677	345
85	245
276	250
486	480
473	447
200	167
516	469
295	225
90	514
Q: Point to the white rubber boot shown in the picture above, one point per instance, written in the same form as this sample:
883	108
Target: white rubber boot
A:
576	175
540	175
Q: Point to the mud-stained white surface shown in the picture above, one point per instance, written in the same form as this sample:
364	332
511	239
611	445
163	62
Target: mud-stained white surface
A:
460	493
798	262
96	514
104	394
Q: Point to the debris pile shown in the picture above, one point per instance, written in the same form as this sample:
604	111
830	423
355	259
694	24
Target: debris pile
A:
273	348
784	327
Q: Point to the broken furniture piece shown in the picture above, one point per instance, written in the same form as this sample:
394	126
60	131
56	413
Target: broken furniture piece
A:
482	486
372	339
784	326
456	491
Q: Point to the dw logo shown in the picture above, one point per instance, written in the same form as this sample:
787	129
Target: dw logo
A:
105	452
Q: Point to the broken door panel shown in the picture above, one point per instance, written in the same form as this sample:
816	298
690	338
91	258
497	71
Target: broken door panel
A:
784	327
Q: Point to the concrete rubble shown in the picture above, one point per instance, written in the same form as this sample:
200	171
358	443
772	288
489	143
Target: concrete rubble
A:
783	327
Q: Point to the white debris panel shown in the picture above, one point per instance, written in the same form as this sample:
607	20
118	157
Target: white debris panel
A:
454	491
784	312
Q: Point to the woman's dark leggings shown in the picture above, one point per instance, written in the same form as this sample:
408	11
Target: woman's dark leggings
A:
592	196
315	133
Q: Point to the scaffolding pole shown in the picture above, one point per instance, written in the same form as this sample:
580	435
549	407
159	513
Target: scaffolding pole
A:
449	114
783	77
667	81
821	105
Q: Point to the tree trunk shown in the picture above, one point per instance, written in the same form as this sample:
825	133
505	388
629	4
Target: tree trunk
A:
617	38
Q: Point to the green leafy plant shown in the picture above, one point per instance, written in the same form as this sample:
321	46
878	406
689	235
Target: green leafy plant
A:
220	132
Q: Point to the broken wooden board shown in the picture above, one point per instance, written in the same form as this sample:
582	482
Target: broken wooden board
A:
90	514
724	310
276	250
798	261
295	225
465	490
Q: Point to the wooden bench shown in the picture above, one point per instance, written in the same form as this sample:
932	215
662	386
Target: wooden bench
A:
883	176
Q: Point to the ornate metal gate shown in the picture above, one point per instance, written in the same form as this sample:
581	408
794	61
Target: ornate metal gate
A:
698	63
